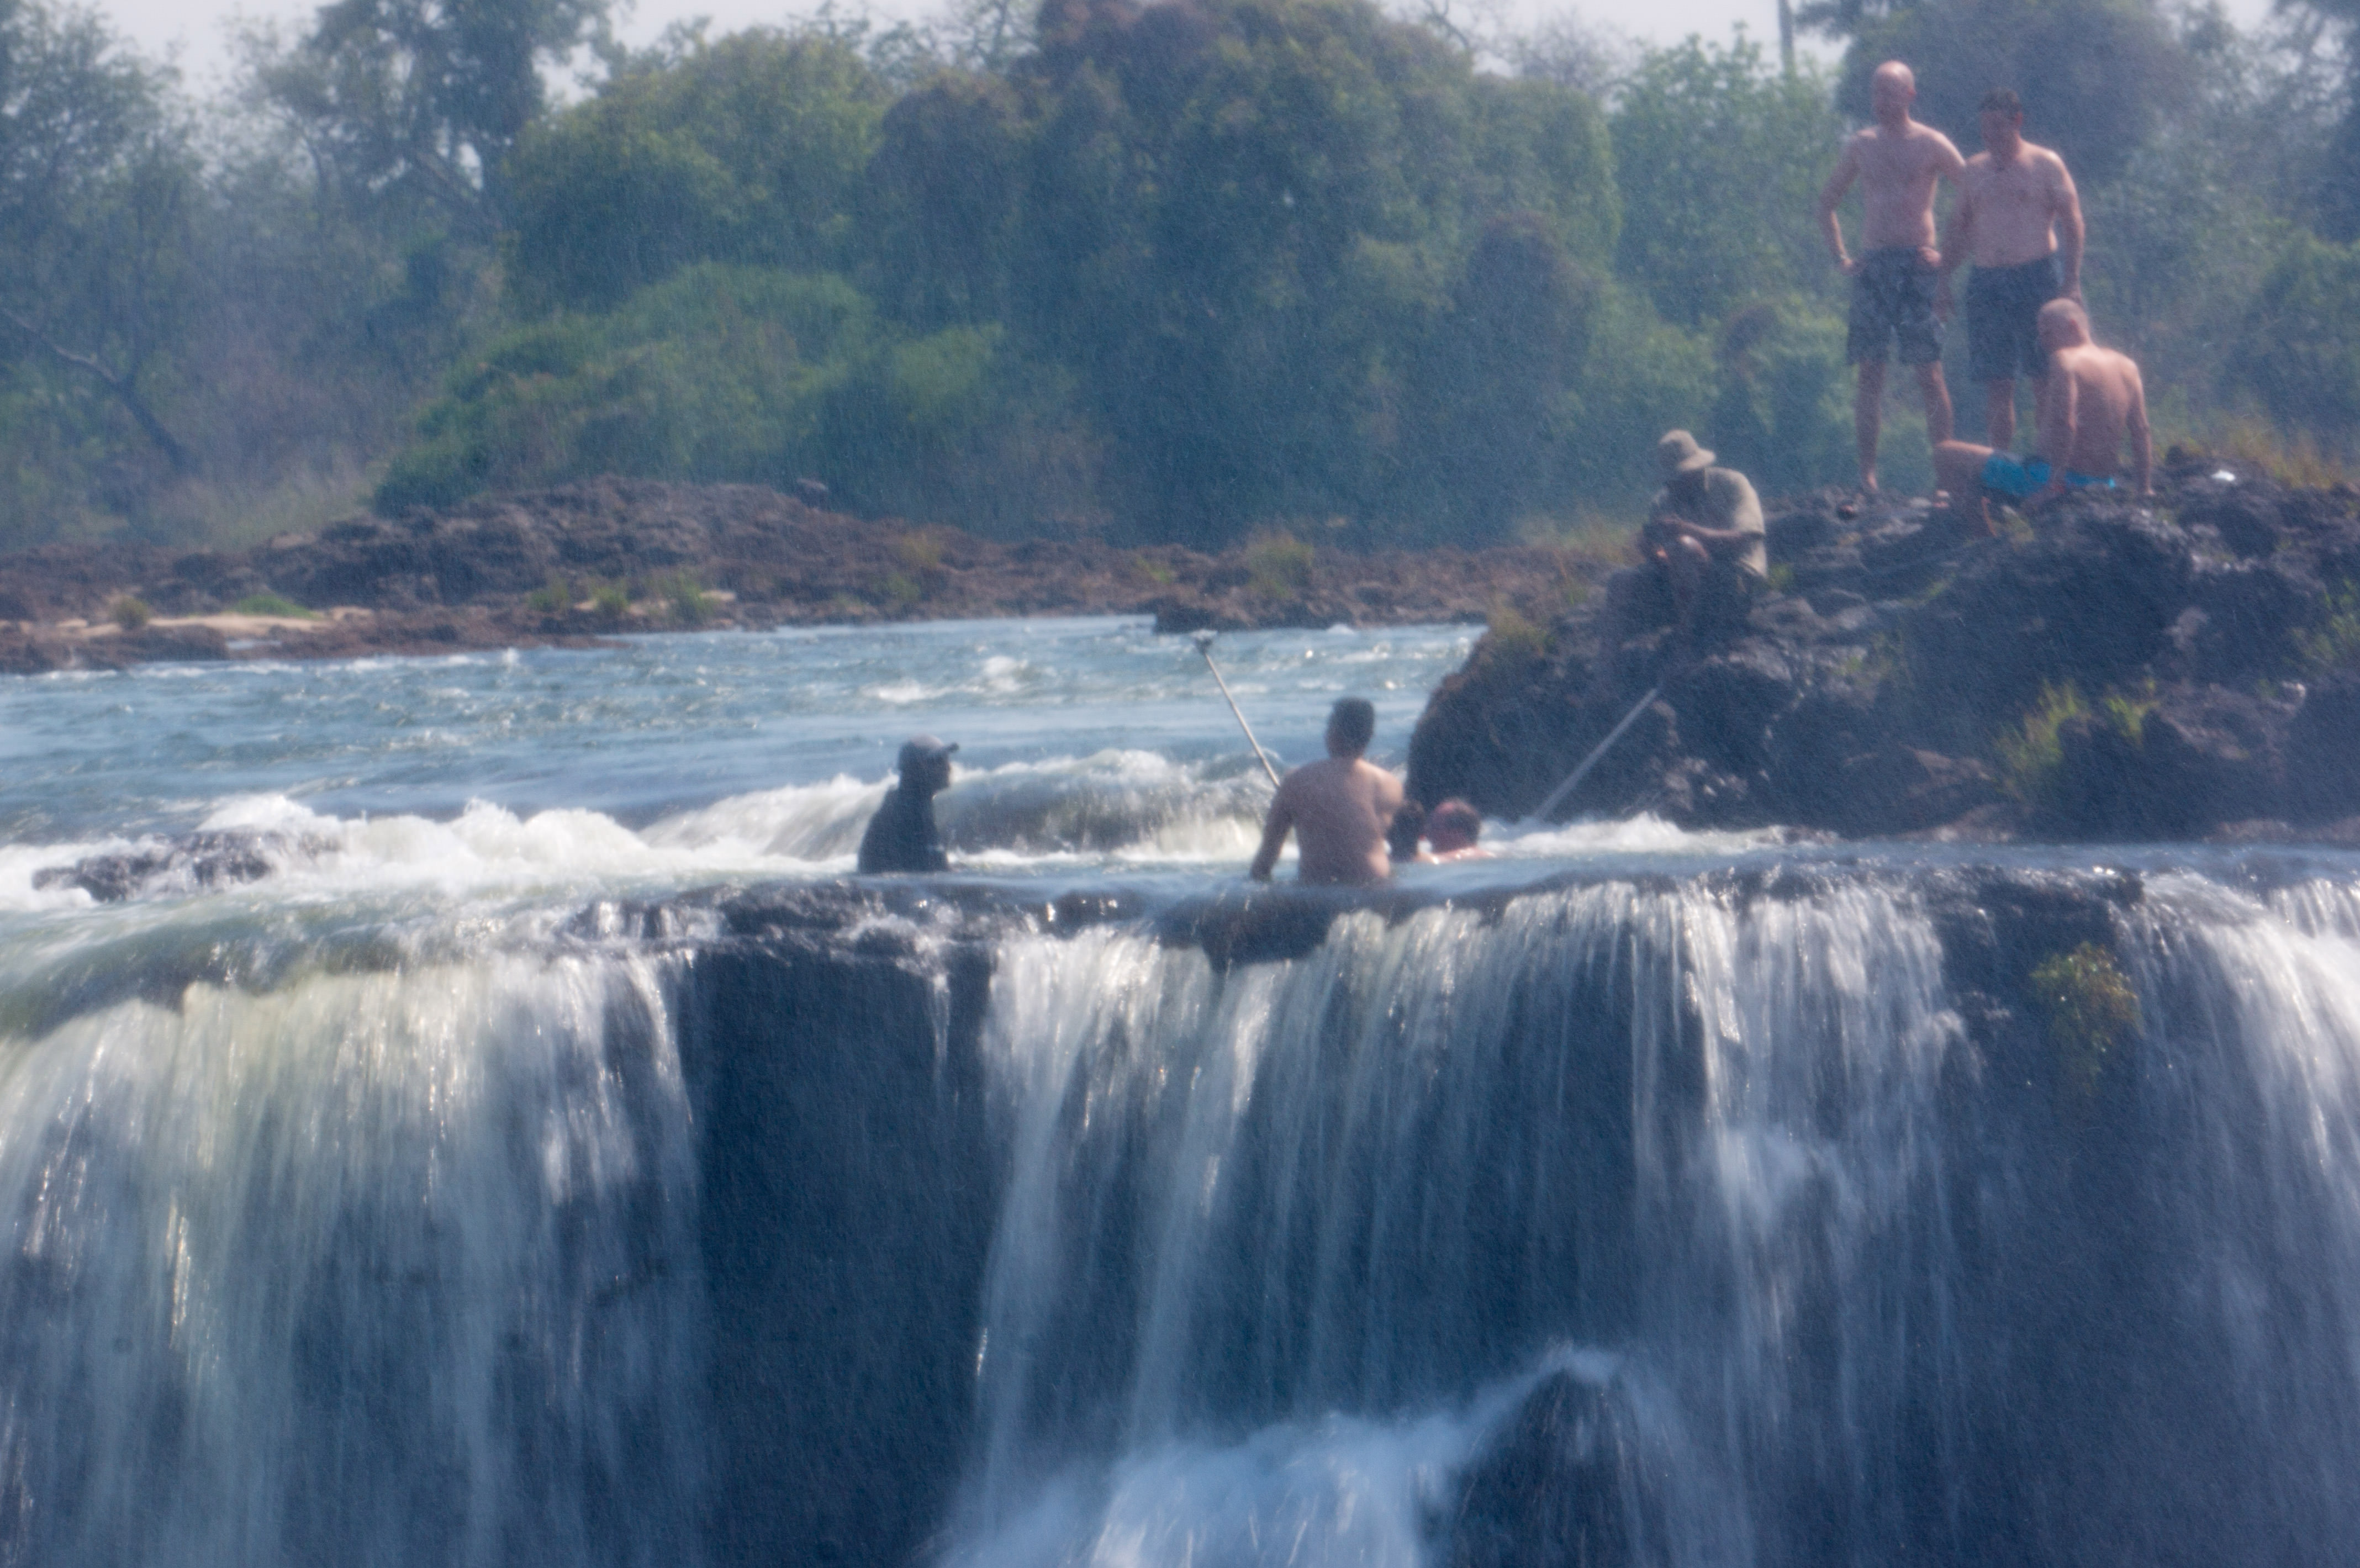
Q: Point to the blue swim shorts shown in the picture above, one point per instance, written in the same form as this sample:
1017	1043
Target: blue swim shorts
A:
2003	474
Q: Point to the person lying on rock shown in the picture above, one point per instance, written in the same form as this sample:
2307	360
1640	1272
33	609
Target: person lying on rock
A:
1338	808
1703	533
901	836
2091	399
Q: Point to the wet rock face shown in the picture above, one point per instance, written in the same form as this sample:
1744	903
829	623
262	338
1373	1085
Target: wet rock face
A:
200	861
1555	1489
2124	673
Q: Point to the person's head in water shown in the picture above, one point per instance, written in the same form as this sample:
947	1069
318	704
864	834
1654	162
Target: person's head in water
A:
1352	724
1452	826
925	765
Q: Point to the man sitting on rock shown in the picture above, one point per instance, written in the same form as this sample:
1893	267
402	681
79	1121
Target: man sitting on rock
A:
901	836
1703	536
2091	399
1339	807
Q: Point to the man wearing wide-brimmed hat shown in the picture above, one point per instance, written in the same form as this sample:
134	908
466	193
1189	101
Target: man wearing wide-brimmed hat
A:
1703	532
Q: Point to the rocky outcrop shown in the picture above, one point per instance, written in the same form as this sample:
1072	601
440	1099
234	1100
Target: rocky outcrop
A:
2114	671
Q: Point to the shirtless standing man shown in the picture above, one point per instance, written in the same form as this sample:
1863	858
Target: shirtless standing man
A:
1898	162
1339	807
2093	398
2020	218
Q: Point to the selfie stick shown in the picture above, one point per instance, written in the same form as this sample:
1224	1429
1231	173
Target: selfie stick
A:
1205	646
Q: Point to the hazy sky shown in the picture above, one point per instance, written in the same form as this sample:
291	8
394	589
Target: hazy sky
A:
198	30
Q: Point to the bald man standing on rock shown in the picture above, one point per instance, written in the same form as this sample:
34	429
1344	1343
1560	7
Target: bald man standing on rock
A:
1897	163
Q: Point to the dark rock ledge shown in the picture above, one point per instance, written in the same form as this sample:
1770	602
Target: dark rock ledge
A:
2186	670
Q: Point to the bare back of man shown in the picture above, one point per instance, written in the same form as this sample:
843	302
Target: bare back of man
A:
1897	163
2093	407
1338	808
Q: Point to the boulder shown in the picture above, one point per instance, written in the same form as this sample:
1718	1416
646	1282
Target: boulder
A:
2123	672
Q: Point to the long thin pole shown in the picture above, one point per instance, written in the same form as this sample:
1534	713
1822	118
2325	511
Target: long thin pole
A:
1578	774
1205	646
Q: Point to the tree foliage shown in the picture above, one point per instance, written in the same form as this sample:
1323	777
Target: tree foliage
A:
422	101
1195	270
2097	76
1719	158
746	150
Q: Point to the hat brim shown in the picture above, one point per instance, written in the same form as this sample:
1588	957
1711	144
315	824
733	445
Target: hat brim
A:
1702	460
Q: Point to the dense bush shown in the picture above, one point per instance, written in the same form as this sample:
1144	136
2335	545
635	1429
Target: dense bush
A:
2300	352
1190	271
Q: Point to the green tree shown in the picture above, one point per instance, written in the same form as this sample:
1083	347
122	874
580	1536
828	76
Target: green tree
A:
746	150
418	103
98	186
1491	388
2097	76
2299	351
939	203
1719	158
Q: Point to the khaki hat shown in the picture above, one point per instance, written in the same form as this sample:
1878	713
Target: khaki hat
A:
1679	453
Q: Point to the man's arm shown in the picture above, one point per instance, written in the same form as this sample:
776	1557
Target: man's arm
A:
1947	165
2071	231
2142	441
2060	415
1956	242
1274	829
1847	170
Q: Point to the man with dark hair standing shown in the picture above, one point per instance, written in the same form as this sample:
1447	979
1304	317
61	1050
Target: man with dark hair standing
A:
1339	807
1898	162
2020	219
901	836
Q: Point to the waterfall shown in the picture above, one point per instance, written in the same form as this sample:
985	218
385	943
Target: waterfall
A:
1724	1210
393	1267
1787	1214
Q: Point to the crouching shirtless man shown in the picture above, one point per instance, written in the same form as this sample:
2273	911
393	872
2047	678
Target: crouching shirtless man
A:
2091	399
1339	807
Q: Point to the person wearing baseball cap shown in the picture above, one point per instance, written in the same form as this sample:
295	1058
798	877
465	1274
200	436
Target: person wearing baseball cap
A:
901	836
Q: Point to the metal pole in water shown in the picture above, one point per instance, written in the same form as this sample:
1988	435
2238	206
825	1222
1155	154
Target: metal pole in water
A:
1578	774
1205	646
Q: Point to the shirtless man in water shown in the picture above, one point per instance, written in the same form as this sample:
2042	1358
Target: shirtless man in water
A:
1897	162
2020	218
1338	807
2092	401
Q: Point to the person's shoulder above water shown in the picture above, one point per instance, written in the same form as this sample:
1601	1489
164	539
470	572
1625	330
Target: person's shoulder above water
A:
1338	809
901	836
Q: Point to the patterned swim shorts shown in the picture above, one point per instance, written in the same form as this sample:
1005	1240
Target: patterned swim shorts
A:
1892	302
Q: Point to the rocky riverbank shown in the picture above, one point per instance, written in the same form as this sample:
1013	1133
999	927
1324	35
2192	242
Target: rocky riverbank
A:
2105	672
614	556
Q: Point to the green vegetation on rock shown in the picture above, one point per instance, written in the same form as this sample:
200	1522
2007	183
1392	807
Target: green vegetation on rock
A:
2092	1011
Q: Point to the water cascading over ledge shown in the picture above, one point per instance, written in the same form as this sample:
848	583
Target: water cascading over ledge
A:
1822	1214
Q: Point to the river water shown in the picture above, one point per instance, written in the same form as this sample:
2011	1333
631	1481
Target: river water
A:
1632	1196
